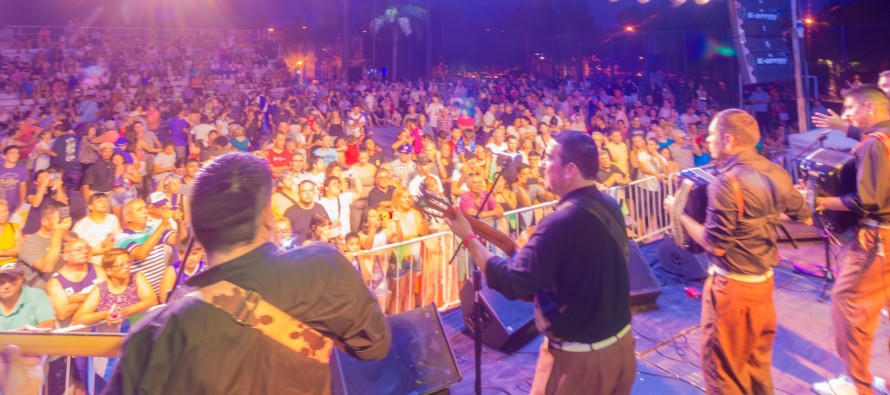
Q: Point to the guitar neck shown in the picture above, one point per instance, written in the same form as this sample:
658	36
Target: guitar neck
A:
492	235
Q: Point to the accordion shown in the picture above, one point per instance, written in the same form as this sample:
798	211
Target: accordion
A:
829	172
690	198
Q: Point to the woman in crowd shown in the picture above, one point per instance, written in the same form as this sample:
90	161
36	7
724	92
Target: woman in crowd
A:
117	302
45	188
406	270
338	203
239	140
285	195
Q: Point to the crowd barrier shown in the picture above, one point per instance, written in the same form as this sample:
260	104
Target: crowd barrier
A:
421	270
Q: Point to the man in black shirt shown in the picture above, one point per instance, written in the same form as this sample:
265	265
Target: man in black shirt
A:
575	266
193	347
862	286
99	177
383	189
738	318
301	213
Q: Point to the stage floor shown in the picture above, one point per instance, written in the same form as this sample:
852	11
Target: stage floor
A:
667	339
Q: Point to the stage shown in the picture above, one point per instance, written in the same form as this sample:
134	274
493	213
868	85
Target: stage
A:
667	339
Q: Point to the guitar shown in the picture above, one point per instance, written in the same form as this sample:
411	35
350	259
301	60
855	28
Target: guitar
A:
433	205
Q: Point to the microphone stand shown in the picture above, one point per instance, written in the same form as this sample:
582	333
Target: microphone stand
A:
477	298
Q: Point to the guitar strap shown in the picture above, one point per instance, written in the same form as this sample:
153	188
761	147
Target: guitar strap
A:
250	309
613	224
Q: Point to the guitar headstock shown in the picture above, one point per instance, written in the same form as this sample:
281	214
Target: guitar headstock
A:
432	205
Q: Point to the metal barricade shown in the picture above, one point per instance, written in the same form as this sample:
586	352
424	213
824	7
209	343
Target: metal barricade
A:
419	270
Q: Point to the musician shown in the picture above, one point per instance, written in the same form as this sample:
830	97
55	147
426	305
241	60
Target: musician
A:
834	121
575	267
862	286
745	204
193	347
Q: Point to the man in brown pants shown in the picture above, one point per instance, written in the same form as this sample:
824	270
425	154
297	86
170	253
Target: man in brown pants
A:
863	283
738	318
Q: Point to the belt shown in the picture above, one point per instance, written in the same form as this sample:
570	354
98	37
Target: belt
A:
745	278
585	347
873	223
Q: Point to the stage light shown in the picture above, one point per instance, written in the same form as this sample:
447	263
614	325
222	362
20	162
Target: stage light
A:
702	2
270	30
299	63
808	21
613	1
542	58
629	28
305	27
642	1
678	2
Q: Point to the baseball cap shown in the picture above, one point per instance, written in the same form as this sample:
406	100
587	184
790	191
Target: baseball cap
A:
405	149
157	199
12	269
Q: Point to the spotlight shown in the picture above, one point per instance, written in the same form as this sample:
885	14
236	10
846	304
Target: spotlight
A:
678	2
808	21
642	1
613	1
702	2
629	28
270	30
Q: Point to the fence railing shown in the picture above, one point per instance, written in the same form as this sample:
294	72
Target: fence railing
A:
420	271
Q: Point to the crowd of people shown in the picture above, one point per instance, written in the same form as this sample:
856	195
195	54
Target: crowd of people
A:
97	173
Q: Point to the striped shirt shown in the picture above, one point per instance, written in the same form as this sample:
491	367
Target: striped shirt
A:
152	266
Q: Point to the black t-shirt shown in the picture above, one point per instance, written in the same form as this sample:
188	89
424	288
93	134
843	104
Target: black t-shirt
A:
603	175
376	196
65	148
99	176
300	218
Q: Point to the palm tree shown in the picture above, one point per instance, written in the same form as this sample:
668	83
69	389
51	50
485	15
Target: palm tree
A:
400	18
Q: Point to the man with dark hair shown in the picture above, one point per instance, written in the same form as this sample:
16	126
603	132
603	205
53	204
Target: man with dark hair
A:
13	178
65	148
738	318
301	213
862	286
179	132
193	347
40	251
99	177
833	121
575	265
383	188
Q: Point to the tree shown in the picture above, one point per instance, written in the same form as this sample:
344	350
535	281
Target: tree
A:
399	19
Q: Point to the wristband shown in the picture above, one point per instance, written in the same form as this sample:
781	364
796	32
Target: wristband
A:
469	237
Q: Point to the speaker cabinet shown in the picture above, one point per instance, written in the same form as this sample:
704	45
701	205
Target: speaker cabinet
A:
644	287
677	260
506	324
420	360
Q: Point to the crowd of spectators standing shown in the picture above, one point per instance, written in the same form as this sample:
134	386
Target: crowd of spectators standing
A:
98	165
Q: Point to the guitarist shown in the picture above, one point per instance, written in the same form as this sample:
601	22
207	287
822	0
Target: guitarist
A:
575	266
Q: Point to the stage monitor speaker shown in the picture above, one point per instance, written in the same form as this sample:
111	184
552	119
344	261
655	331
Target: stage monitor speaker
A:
644	287
506	324
675	259
420	360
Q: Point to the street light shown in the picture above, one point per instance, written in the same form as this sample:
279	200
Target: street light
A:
629	28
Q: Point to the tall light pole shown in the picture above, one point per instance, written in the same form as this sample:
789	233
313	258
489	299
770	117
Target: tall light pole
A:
796	32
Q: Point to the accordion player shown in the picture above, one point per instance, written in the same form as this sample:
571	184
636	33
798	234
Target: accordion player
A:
828	172
691	198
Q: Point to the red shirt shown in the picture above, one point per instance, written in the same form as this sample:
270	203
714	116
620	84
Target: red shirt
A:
277	159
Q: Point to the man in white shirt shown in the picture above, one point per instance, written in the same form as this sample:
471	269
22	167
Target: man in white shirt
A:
99	228
689	117
498	142
424	170
433	110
